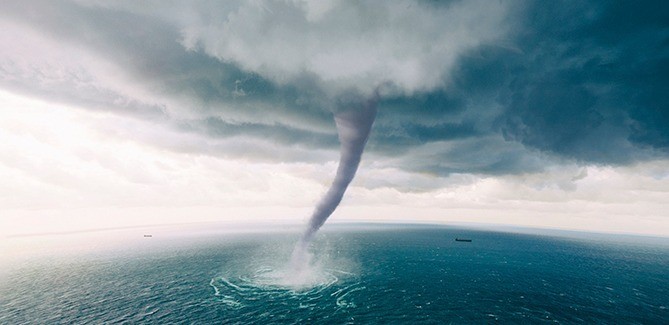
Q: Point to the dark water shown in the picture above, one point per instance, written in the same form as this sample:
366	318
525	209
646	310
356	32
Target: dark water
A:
413	274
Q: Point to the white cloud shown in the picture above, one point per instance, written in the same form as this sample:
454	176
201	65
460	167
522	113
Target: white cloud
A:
345	43
63	169
632	199
53	156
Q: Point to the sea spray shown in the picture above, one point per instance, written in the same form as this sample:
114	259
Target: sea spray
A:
354	122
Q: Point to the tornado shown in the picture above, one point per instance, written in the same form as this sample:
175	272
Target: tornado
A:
354	121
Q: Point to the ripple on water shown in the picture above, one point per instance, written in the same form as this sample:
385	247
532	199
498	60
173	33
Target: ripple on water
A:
278	291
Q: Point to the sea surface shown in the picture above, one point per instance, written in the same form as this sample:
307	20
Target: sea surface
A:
359	274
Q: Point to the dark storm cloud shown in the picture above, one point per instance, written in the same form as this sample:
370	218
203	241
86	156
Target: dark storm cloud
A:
215	127
592	81
148	49
579	80
571	80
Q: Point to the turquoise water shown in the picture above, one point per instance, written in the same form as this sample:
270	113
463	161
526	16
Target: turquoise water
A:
370	274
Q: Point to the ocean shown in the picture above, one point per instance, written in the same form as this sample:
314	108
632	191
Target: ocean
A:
360	274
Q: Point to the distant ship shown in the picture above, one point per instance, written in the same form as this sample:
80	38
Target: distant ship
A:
148	235
464	240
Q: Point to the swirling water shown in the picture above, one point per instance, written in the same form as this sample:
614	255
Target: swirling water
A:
382	274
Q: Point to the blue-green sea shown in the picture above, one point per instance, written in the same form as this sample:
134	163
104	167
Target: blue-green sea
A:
359	274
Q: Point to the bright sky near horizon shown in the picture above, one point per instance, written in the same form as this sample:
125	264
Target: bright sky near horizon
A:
509	112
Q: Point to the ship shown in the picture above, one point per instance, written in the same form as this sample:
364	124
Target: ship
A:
463	240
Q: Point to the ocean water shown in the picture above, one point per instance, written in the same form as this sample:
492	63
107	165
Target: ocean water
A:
360	274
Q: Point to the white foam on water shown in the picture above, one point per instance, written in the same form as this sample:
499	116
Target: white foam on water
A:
307	281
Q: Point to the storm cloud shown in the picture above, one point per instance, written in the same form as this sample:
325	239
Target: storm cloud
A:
493	88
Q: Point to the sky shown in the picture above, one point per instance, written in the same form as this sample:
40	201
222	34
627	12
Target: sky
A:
551	114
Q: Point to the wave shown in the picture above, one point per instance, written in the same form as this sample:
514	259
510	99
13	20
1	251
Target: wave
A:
277	289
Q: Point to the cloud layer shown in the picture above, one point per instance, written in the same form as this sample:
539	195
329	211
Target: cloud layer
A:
470	87
347	44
